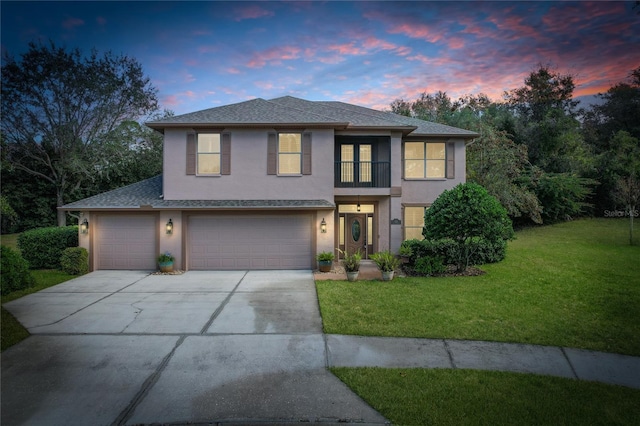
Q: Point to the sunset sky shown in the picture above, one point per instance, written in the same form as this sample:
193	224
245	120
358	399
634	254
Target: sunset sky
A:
205	54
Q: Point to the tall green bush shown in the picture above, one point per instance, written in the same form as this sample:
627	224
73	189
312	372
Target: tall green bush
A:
75	260
43	247
470	218
14	271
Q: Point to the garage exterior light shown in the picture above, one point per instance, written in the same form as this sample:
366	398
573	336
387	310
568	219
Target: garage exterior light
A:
169	227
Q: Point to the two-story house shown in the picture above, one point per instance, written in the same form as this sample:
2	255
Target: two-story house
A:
268	184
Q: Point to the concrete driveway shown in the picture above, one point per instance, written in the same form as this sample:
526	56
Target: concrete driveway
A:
126	347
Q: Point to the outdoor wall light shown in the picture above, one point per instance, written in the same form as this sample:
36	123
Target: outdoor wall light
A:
323	226
84	226
169	227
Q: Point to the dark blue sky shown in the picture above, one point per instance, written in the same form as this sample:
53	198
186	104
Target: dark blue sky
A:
205	54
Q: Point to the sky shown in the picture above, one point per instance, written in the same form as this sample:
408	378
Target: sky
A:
205	54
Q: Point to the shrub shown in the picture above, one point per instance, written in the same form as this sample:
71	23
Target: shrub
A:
563	196
469	218
486	251
429	266
75	260
14	271
43	247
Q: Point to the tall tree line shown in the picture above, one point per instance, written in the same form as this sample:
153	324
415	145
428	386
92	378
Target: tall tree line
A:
544	158
70	129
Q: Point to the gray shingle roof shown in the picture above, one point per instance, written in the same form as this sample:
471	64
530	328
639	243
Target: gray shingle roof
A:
288	110
147	194
250	113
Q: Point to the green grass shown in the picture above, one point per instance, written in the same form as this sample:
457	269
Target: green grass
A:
574	284
10	240
12	331
467	397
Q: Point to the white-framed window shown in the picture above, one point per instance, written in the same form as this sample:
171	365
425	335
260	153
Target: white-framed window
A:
208	154
425	160
414	222
289	153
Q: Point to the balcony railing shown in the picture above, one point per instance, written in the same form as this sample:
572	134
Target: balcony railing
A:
363	174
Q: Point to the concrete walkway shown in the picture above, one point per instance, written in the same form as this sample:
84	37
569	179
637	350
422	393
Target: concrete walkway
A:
126	347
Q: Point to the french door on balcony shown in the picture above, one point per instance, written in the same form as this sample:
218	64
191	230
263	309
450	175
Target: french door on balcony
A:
356	160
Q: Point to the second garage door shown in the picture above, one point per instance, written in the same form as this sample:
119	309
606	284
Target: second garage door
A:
250	242
126	242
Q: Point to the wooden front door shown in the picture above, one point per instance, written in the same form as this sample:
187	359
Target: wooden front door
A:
356	238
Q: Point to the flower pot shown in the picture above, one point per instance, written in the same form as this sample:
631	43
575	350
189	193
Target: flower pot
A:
166	266
387	275
325	265
352	276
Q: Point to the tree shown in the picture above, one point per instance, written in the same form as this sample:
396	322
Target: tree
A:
58	108
470	217
628	193
501	166
544	89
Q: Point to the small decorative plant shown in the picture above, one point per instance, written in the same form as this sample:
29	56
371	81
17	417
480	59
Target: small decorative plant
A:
385	261
405	250
165	257
351	262
325	256
325	261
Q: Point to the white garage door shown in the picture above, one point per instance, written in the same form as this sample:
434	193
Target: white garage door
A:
250	242
126	242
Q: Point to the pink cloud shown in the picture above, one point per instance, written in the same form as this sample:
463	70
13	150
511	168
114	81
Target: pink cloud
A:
346	49
252	12
71	23
419	31
456	43
233	70
274	55
101	21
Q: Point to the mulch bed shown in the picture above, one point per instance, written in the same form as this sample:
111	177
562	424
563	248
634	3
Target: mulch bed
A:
176	272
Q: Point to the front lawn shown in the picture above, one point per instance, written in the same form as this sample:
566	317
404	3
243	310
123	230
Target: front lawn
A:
574	284
12	331
468	397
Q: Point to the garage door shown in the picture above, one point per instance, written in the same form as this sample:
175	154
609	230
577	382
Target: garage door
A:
126	242
250	242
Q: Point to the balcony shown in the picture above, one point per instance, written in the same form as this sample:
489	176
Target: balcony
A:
362	174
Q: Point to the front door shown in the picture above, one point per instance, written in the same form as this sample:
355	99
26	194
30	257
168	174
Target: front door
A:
356	234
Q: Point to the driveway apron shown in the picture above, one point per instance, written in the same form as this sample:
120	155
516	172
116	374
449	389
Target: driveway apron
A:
127	347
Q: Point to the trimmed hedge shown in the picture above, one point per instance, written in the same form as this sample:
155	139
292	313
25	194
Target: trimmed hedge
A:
447	250
75	260
43	247
14	271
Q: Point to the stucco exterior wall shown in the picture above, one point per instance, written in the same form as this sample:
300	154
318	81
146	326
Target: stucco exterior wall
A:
426	191
248	179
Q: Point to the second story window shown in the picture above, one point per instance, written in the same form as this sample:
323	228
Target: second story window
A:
208	154
289	153
424	160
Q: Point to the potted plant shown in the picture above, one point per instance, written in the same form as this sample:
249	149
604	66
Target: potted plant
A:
387	262
165	262
351	263
325	261
405	252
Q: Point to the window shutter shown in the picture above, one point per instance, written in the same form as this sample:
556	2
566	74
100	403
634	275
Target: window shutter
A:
451	147
306	153
402	160
272	154
191	154
225	154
